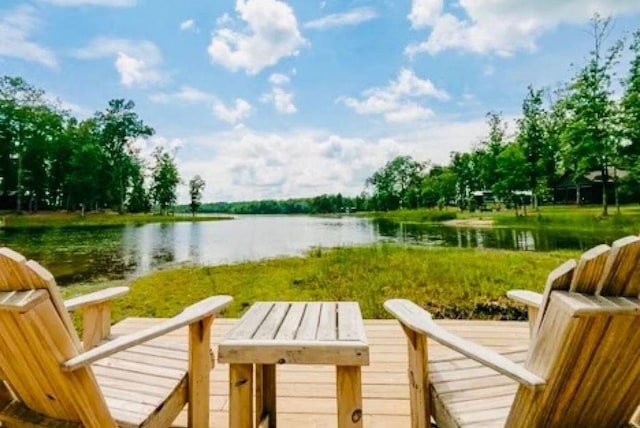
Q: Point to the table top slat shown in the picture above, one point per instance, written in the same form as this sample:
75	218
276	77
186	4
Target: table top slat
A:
250	321
272	322
350	325
328	322
291	322
309	325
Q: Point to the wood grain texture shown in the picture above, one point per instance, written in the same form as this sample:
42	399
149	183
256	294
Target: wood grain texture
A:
199	368
96	298
418	379
147	386
266	396
190	315
419	320
349	396
589	270
240	396
620	267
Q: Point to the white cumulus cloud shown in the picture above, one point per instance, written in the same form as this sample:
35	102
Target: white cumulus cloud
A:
235	113
137	62
424	12
271	34
247	164
282	100
351	17
279	78
393	101
502	27
189	24
16	28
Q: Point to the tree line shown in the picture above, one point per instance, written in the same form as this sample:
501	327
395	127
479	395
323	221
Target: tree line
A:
49	159
323	204
591	123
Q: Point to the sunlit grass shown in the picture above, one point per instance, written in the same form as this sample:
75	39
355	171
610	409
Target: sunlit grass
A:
451	283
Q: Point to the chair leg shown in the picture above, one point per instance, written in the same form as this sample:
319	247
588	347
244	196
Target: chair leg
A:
418	379
199	373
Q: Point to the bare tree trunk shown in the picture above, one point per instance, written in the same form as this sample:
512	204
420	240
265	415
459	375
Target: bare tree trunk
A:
605	179
615	190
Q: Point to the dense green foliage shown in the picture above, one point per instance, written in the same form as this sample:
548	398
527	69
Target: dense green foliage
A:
451	283
51	160
323	204
582	128
165	178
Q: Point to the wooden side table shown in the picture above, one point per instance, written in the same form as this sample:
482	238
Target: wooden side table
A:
270	333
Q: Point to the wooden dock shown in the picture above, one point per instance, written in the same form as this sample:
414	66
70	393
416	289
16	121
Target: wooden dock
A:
306	394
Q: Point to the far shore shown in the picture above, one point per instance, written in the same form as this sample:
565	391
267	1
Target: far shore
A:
93	219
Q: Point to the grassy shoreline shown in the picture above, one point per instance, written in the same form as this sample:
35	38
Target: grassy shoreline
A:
64	219
577	218
451	283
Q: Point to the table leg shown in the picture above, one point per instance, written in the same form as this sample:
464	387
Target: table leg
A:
240	395
266	395
349	396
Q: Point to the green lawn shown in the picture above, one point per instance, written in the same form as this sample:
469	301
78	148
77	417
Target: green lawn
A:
452	283
64	219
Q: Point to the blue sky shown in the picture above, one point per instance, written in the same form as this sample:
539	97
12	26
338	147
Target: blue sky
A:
277	99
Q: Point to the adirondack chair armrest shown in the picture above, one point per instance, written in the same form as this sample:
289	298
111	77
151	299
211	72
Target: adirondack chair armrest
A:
526	297
532	300
418	320
193	314
96	313
96	298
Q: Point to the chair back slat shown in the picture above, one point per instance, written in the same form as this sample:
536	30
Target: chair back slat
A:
559	279
589	270
620	267
36	337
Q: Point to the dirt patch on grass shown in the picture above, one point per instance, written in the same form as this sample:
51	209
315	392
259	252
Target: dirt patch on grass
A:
470	222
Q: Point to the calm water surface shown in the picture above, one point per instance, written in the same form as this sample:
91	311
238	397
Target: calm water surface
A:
82	254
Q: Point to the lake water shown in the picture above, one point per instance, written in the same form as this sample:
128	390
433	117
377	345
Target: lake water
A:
82	254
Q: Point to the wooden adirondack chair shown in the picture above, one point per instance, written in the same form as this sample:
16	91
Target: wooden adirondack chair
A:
52	380
582	368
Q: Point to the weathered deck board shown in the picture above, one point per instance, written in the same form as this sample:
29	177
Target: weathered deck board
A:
306	394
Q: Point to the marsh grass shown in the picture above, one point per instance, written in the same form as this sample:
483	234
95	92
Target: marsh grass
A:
66	219
422	215
577	218
561	217
451	283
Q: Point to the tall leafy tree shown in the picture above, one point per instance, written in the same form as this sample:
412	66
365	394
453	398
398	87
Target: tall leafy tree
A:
631	108
196	187
490	148
591	133
119	127
532	141
511	175
165	179
397	184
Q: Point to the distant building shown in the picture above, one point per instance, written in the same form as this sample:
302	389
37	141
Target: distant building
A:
587	188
